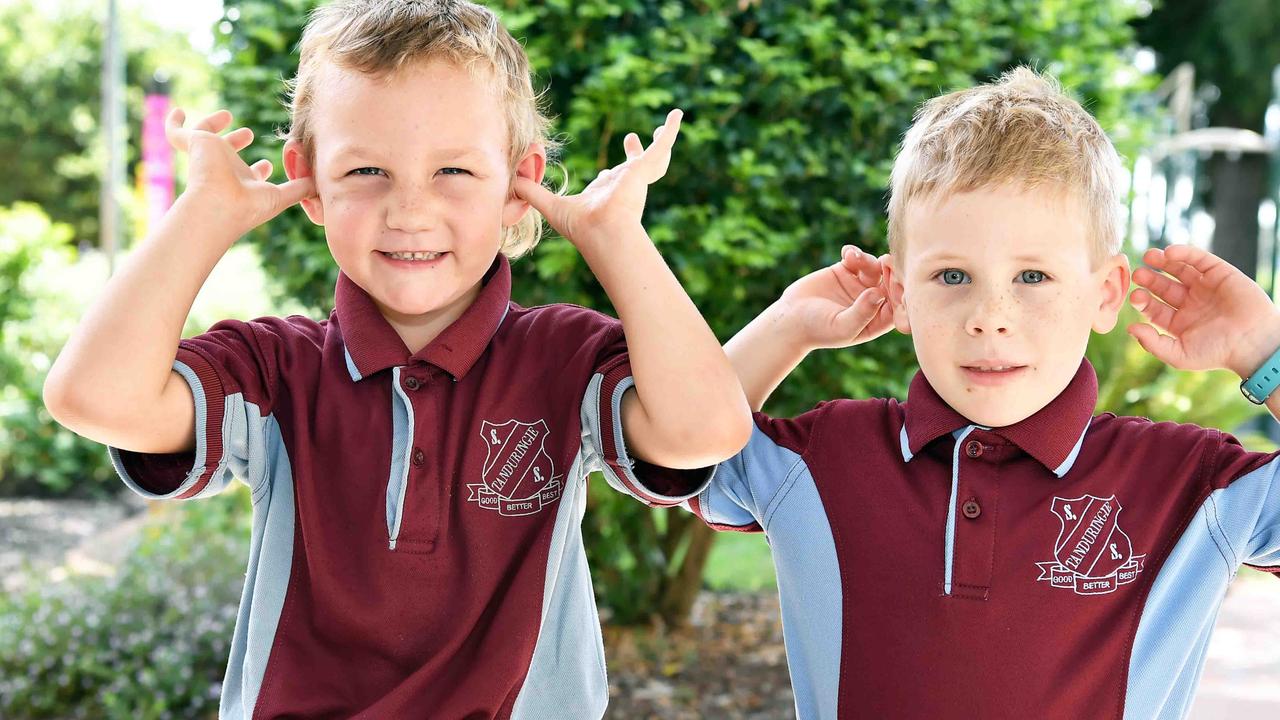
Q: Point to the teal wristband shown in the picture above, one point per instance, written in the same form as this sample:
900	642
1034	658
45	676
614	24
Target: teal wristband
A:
1263	381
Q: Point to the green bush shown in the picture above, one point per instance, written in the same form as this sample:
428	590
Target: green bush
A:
149	642
42	291
793	112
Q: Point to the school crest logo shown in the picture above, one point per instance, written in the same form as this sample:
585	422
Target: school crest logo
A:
518	476
1092	555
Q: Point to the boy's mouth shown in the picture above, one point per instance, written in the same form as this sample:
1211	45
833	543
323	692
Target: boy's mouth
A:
424	256
992	373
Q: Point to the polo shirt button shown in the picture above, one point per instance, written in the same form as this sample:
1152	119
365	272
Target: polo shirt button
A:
971	509
412	383
973	449
419	457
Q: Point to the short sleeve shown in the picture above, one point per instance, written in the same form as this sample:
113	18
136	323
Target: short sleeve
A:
602	425
231	370
747	488
1246	502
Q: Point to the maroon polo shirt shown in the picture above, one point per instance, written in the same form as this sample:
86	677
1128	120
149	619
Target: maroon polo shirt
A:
416	548
1067	566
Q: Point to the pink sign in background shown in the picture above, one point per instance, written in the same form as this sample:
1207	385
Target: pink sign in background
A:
157	159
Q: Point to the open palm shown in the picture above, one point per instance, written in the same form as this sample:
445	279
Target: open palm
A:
1213	315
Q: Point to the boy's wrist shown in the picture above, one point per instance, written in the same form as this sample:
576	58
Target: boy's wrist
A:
787	327
210	215
602	240
1254	348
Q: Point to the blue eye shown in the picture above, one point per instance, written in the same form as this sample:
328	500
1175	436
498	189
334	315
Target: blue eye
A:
953	277
371	171
1032	277
454	171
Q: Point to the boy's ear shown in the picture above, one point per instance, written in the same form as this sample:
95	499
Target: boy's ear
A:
1115	277
533	165
892	279
297	166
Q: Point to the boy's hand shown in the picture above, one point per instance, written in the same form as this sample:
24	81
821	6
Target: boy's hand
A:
615	199
839	305
217	175
1215	316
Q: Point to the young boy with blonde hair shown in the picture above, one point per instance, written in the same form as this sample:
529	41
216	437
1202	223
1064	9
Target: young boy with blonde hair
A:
417	461
990	548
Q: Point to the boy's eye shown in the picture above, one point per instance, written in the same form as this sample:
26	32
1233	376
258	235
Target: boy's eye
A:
366	171
1032	277
953	277
453	171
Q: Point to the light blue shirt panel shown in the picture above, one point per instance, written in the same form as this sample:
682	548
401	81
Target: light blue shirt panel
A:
771	485
1236	524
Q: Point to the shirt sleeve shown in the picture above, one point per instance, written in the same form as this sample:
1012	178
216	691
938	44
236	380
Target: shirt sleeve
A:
231	370
1245	497
602	426
747	488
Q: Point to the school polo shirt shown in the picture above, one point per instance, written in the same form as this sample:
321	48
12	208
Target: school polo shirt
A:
1067	566
416	548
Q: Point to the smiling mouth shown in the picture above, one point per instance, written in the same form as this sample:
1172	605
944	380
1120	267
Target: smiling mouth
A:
412	256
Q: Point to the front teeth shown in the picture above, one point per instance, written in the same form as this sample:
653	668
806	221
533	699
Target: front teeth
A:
414	255
1002	368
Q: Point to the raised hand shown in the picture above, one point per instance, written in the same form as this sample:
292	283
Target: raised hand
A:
615	198
1214	316
839	305
217	174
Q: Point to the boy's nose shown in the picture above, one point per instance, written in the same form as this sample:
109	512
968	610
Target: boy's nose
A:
989	318
411	211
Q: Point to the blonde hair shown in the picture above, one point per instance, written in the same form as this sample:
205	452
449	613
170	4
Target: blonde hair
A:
1021	130
378	37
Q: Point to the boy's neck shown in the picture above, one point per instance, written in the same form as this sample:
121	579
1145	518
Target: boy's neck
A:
417	331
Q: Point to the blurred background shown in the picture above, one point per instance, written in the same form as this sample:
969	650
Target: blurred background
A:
112	608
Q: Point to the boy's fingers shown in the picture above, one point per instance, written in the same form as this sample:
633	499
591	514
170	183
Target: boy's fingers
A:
1162	286
214	122
261	169
851	321
240	138
658	155
1164	347
177	136
631	144
542	199
1201	260
294	191
1153	310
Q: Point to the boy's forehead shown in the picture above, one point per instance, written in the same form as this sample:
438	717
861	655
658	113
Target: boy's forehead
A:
997	223
433	106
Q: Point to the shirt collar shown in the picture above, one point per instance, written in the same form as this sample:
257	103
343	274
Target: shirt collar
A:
1053	435
372	345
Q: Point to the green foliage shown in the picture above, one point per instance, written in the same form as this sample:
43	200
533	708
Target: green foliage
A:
1233	44
42	293
793	114
50	89
149	642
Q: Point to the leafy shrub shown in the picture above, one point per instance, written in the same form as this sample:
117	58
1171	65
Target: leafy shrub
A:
149	642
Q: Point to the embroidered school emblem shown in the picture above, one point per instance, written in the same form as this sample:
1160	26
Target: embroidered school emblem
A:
518	476
1092	555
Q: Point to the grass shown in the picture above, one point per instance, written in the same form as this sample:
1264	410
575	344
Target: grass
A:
740	562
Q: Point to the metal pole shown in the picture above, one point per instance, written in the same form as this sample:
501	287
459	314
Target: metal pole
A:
113	129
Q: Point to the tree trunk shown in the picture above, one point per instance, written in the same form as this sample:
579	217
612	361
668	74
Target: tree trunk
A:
1237	187
682	587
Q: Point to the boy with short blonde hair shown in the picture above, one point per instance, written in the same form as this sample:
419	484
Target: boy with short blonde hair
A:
417	461
991	548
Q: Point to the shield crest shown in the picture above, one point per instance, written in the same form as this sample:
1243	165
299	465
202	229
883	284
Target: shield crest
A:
516	465
1090	542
